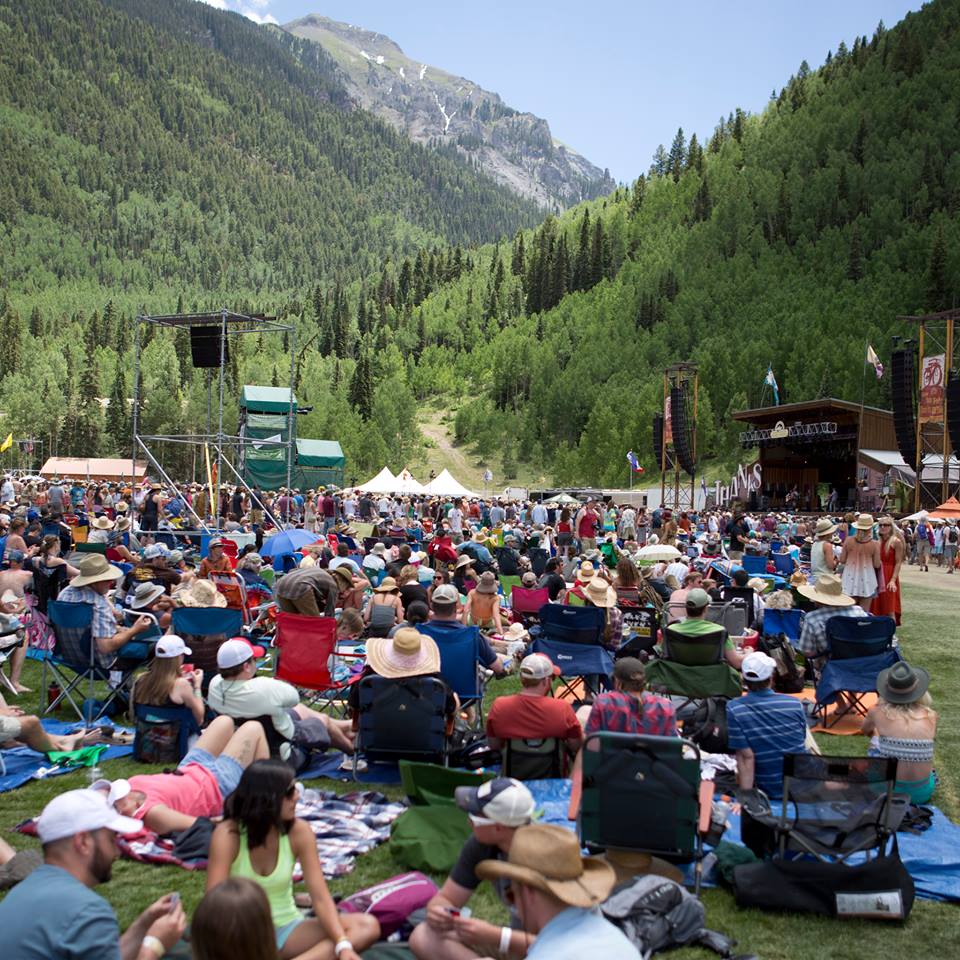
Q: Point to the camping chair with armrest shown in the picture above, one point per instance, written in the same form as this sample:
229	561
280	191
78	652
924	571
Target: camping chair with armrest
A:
693	667
787	622
571	637
643	794
526	603
755	566
305	646
742	597
161	729
641	630
403	719
234	590
858	649
203	630
140	648
532	758
784	564
460	664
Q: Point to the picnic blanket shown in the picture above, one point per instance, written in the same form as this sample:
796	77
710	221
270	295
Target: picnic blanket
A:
328	765
345	826
848	725
932	858
24	764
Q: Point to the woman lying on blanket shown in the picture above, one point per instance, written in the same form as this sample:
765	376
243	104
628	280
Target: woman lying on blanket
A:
261	839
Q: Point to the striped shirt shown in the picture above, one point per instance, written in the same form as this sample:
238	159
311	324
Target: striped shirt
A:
771	725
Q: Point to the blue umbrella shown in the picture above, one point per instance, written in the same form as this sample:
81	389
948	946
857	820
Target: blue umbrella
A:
289	541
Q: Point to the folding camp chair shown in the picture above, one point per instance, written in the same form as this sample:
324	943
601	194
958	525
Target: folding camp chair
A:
460	663
641	630
508	583
402	719
204	629
858	649
693	666
527	758
643	793
305	646
526	603
234	589
787	622
162	733
784	564
571	637
141	646
230	550
754	565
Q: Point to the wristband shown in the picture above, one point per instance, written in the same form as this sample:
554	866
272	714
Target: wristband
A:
505	934
342	944
154	944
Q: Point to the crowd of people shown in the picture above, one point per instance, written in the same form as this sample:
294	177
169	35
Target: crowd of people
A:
404	576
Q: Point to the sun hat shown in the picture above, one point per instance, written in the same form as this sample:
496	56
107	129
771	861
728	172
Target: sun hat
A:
387	585
697	599
102	523
902	683
122	507
516	631
487	583
825	527
529	580
757	666
504	800
81	811
864	522
201	593
343	573
827	590
463	561
445	593
408	653
538	666
94	568
378	549
585	571
215	542
757	584
145	594
123	523
170	646
547	857
600	593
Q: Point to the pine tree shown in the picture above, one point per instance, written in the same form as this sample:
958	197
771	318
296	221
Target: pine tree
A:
36	323
581	267
858	149
11	356
117	419
855	261
661	162
636	197
738	122
360	394
938	296
518	260
677	157
109	325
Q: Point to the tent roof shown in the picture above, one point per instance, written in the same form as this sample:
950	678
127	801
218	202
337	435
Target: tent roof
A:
950	510
445	485
94	468
267	399
407	483
383	482
320	453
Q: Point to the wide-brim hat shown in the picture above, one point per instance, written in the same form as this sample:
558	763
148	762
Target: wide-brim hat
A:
102	523
122	507
94	569
123	523
464	561
600	593
408	653
145	594
586	571
201	593
629	864
487	583
828	590
864	522
902	683
547	857
825	527
343	573
387	585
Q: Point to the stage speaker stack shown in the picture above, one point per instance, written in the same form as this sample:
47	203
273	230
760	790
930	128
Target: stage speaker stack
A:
953	410
903	381
682	440
658	439
205	347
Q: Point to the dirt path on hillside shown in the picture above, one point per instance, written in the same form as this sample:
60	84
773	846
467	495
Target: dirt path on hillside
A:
445	454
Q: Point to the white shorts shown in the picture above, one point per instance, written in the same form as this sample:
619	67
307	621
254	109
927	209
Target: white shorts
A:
10	728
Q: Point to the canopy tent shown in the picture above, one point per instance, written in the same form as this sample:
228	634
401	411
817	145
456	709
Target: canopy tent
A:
445	485
919	515
406	483
383	482
563	499
950	510
267	399
93	468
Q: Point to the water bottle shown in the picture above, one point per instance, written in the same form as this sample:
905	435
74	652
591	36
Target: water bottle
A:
95	774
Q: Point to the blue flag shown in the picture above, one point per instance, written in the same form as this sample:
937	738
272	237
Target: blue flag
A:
771	381
634	463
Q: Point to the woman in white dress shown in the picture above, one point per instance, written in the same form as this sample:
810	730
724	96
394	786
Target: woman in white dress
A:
861	561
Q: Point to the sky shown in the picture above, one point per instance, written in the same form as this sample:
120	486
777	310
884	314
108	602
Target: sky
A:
613	79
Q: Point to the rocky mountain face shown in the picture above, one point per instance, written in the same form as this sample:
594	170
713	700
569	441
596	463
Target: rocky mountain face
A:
435	107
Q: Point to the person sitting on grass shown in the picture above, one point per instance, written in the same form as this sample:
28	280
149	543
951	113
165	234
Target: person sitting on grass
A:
166	684
54	914
496	810
261	839
18	727
482	608
233	920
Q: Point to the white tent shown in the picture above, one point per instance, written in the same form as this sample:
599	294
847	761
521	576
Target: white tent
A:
383	482
444	485
405	482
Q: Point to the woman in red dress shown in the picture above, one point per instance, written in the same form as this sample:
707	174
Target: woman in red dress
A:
887	601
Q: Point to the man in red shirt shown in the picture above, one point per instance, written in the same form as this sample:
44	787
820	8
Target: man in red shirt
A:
586	522
533	713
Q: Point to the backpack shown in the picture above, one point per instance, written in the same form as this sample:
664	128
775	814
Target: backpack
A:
922	531
707	725
392	901
658	914
952	536
788	677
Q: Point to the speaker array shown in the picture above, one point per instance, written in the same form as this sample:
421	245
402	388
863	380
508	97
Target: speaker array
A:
953	410
205	347
682	434
902	385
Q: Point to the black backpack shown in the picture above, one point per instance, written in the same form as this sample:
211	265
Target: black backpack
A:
707	727
788	677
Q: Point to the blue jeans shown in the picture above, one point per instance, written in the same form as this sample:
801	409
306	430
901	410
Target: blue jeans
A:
226	770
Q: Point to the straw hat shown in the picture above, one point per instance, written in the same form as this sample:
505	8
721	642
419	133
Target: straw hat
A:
123	523
828	590
343	573
600	593
94	568
516	631
463	561
145	594
585	571
102	523
864	522
757	584
902	683
487	583
387	585
201	593
629	864
547	857
408	653
825	527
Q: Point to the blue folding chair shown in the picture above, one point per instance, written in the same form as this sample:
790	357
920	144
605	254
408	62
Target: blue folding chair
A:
572	638
754	565
204	629
858	649
460	662
163	734
787	622
784	564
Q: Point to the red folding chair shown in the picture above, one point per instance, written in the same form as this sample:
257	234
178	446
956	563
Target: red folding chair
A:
231	586
526	603
305	646
230	551
334	541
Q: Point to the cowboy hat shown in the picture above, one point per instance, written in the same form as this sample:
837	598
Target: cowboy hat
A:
344	573
123	523
145	594
201	593
547	857
94	569
902	683
825	527
864	522
487	583
585	571
600	593
828	590
408	653
102	523
387	585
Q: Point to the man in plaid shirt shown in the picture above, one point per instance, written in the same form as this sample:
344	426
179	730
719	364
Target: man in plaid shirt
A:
629	708
827	593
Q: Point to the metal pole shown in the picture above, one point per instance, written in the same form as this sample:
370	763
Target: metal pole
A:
171	484
947	368
919	464
291	443
223	359
136	400
253	498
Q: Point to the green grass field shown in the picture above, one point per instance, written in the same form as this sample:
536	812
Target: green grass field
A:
929	637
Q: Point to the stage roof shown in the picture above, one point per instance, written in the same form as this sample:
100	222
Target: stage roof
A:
787	410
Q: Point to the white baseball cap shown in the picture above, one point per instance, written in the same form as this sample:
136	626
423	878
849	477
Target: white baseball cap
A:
232	653
538	666
112	790
757	666
504	800
77	811
170	646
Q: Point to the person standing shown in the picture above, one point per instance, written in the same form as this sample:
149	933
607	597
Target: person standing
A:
951	540
860	557
887	600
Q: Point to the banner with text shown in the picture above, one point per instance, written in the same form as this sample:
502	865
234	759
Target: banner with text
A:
932	383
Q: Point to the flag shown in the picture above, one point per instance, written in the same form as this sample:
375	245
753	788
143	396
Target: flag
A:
634	464
874	361
771	381
7	444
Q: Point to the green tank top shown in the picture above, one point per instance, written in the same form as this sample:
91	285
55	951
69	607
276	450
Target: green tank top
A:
278	886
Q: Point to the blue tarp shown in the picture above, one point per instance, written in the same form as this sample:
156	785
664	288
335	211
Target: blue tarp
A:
328	765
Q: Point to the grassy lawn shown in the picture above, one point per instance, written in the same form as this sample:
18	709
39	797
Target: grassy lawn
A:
929	637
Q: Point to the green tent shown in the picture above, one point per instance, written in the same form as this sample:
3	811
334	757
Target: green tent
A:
267	399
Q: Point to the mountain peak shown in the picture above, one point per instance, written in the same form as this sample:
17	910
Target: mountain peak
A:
439	108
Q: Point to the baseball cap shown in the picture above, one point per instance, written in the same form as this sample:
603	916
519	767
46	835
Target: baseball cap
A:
697	598
445	593
504	800
215	542
236	651
758	666
629	668
77	811
538	666
16	556
156	550
170	646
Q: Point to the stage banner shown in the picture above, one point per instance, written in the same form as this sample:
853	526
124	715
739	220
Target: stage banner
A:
932	383
667	422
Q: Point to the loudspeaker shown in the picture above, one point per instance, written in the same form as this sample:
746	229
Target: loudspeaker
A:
658	450
902	387
953	410
205	347
682	440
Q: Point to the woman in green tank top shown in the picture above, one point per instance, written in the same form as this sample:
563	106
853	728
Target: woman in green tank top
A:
261	839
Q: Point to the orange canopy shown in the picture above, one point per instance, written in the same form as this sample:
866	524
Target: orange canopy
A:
947	511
